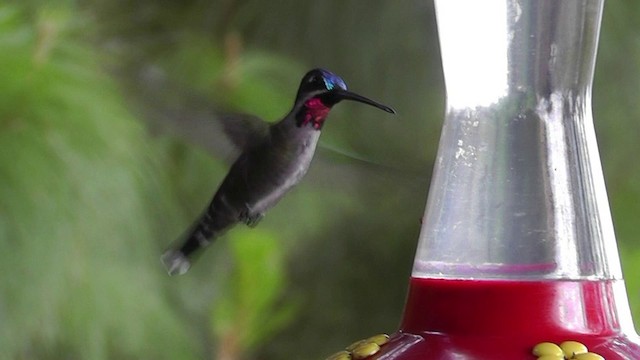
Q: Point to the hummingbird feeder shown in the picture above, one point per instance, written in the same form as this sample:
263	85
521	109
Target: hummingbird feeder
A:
517	256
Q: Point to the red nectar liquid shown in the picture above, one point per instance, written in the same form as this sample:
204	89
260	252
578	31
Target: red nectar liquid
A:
504	319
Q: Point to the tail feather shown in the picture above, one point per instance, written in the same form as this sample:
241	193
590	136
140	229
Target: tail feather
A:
175	262
211	225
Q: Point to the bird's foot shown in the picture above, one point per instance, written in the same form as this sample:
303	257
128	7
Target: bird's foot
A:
250	218
253	220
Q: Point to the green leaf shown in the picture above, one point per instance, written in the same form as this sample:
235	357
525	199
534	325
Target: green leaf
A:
252	308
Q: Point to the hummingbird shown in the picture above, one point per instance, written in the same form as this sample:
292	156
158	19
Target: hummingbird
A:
274	158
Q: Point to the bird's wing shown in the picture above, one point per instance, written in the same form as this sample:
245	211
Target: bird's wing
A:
244	130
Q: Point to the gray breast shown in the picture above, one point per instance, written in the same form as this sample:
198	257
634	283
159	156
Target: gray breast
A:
295	169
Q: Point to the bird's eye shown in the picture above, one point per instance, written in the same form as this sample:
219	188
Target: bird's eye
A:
313	79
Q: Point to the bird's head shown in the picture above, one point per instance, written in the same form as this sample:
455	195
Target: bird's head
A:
321	89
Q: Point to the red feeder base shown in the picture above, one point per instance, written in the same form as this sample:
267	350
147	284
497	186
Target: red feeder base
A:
505	319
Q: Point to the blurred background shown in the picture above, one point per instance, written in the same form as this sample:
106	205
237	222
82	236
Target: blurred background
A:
110	148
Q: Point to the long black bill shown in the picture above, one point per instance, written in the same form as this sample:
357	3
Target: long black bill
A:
348	95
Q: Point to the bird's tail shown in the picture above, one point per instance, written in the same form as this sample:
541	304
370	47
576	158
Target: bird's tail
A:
175	262
178	258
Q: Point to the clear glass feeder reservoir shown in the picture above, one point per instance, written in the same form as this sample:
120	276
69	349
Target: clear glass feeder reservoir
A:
517	245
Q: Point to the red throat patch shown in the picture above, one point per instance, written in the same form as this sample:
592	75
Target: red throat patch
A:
314	113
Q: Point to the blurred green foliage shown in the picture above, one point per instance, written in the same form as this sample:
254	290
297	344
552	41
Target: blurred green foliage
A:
249	313
78	173
104	164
